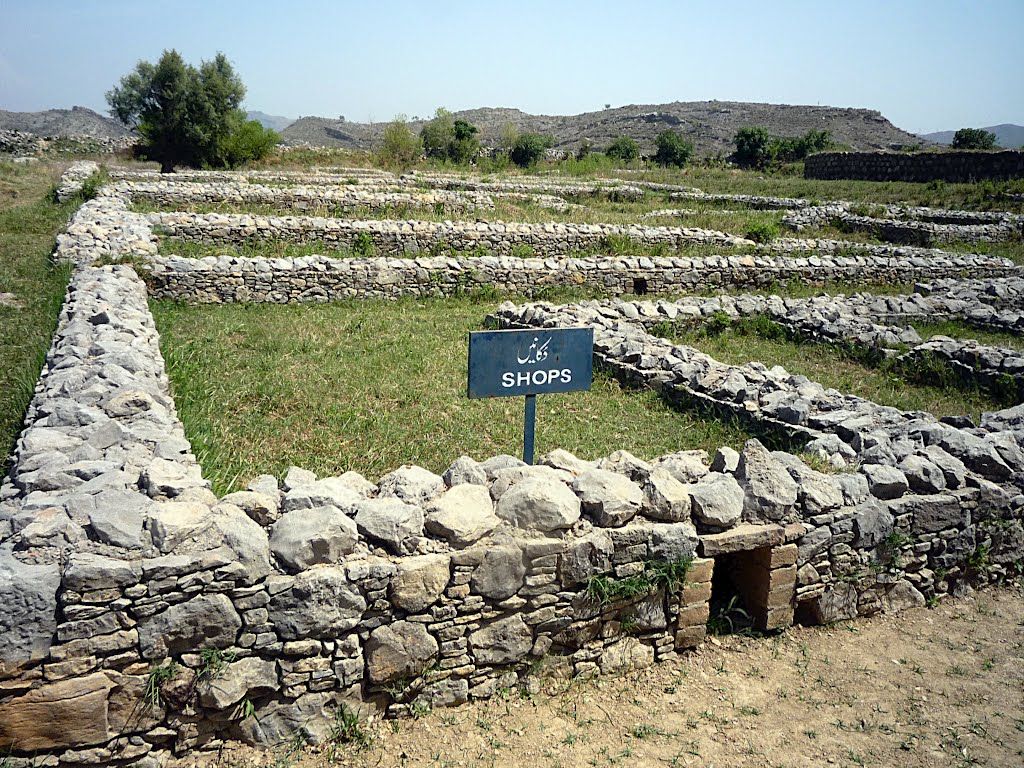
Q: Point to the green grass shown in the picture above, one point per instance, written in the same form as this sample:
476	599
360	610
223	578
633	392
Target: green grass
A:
716	178
960	330
831	367
261	248
371	385
981	196
587	210
29	223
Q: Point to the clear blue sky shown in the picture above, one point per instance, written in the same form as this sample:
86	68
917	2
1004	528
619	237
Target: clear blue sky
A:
926	65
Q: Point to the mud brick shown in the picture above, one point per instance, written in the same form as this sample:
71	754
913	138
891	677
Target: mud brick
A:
783	556
694	614
701	569
695	593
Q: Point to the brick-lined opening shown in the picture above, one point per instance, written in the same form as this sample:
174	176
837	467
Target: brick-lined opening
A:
761	582
735	592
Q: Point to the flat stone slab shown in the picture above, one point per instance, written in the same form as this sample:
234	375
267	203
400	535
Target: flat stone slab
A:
742	538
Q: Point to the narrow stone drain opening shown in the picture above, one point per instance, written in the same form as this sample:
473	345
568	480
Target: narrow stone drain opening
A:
640	286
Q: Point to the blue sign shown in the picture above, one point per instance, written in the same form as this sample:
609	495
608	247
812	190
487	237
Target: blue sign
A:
532	362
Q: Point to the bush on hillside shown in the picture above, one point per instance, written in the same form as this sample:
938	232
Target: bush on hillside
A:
757	148
529	148
673	149
623	148
447	139
753	146
400	147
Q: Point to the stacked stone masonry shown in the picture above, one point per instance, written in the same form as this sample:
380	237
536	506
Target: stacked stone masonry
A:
962	167
846	321
143	615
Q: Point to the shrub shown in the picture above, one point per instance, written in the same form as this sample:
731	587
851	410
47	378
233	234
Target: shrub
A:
624	149
400	147
585	148
438	134
673	149
189	116
787	150
447	139
753	146
756	147
250	142
762	233
529	148
466	144
974	138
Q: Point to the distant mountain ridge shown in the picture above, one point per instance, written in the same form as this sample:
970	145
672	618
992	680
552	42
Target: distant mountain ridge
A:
710	125
77	121
81	121
1008	135
274	122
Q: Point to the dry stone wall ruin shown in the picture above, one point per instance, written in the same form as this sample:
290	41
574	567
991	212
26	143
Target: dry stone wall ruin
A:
961	167
143	615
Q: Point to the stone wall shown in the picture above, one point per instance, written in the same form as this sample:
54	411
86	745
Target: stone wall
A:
912	225
320	278
143	615
298	197
73	178
961	167
402	236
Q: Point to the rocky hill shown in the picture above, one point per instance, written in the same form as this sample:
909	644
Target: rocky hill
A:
710	125
77	121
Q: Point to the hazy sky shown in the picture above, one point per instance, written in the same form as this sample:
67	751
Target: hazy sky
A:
925	64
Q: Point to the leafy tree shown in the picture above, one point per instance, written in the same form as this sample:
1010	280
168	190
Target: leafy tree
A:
400	147
507	138
447	139
465	145
438	134
189	116
673	149
623	148
753	146
529	148
974	138
788	150
251	141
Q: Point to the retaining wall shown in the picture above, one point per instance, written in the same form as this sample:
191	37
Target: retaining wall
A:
963	166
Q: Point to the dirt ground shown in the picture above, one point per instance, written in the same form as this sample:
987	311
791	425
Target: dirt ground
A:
928	687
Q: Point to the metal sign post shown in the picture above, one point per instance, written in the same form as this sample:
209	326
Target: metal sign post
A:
531	362
529	424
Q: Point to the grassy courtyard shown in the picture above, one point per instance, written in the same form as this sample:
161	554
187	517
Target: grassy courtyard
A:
372	385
